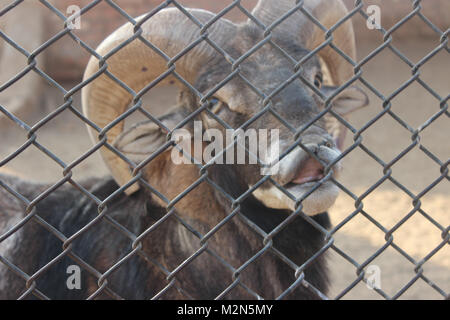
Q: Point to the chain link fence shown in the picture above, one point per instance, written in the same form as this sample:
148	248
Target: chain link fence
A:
102	286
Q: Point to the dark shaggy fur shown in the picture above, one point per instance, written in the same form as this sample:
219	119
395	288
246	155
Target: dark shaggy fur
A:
141	276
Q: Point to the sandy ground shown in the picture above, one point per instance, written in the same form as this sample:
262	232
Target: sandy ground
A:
359	238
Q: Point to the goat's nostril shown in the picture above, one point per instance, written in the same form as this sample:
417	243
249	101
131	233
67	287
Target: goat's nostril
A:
326	143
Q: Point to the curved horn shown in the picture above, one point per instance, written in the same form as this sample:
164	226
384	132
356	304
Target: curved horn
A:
309	35
137	65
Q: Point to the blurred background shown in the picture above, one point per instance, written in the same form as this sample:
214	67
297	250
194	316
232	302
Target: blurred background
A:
31	98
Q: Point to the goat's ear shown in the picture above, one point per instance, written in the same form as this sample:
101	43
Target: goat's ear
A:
140	141
349	100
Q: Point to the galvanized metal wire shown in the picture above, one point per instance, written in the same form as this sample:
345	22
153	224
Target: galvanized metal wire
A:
266	238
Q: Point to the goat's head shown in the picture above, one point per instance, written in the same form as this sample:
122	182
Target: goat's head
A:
293	92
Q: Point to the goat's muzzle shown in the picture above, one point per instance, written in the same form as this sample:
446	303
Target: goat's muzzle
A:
301	171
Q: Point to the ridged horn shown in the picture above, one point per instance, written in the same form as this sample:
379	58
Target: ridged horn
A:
137	65
309	35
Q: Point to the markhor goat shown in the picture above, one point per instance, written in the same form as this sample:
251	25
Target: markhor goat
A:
294	93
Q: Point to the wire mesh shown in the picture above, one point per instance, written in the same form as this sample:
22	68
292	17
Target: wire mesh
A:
102	286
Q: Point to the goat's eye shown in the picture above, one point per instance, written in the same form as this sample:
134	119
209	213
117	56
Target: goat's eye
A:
214	105
318	79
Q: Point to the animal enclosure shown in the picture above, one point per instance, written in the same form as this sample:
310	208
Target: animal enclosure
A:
390	227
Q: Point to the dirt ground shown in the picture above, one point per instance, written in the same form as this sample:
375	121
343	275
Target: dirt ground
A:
359	238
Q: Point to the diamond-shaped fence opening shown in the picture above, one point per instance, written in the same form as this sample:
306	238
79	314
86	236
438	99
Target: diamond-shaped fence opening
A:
213	228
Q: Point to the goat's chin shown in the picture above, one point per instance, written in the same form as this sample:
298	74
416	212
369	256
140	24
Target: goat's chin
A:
317	202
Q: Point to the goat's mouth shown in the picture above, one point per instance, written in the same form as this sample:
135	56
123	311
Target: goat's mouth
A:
306	183
311	171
